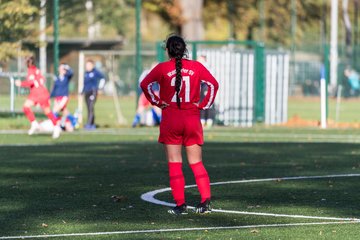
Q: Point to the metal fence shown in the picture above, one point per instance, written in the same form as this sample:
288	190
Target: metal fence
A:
234	69
9	93
253	82
277	87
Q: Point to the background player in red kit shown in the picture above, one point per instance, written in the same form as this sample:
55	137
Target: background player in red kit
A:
38	95
179	81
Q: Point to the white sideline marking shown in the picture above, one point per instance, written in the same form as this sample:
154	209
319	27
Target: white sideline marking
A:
13	131
296	136
153	131
150	197
176	230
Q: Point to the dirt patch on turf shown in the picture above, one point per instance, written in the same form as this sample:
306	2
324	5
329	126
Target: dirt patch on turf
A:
296	121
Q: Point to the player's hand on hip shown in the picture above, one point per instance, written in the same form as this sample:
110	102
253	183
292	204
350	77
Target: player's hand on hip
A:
164	105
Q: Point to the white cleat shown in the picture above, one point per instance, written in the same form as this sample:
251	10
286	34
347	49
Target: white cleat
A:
34	127
56	132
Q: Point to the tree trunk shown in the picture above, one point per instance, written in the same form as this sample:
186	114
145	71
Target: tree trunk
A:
348	32
192	27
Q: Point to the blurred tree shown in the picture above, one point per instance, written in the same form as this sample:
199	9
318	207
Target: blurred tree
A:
277	18
117	14
192	27
184	16
111	17
223	19
16	19
169	11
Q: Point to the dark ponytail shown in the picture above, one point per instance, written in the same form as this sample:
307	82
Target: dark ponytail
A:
178	67
176	47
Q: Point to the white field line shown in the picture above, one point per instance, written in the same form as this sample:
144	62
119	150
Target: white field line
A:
13	131
26	144
310	136
150	132
176	230
150	197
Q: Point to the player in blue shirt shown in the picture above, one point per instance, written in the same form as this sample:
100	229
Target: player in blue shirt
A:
60	91
93	81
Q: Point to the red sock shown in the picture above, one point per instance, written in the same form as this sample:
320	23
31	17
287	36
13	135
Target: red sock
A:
29	114
177	182
52	117
202	180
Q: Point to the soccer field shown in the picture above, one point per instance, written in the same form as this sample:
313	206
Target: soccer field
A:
305	108
63	188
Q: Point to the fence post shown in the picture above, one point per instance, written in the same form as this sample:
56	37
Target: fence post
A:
12	94
327	74
81	85
259	94
160	52
194	50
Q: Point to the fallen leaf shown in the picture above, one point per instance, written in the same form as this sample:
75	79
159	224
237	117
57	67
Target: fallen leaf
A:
119	198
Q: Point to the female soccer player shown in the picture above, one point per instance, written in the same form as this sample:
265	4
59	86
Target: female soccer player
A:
61	91
179	81
38	95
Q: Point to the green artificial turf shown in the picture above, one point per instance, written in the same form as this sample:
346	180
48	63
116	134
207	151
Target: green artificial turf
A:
65	186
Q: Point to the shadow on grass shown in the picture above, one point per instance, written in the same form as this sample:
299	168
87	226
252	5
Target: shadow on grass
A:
69	186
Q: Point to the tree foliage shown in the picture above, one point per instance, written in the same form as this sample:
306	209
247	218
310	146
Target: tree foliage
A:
244	18
16	18
223	19
169	11
117	14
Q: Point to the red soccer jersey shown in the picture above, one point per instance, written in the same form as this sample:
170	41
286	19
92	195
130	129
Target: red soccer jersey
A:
193	73
36	82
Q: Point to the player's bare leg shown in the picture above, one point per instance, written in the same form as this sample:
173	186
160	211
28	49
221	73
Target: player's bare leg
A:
173	153
177	180
65	113
60	106
30	115
51	116
194	155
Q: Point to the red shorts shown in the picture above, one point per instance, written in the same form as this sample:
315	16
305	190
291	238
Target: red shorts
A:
63	100
181	127
44	102
40	96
